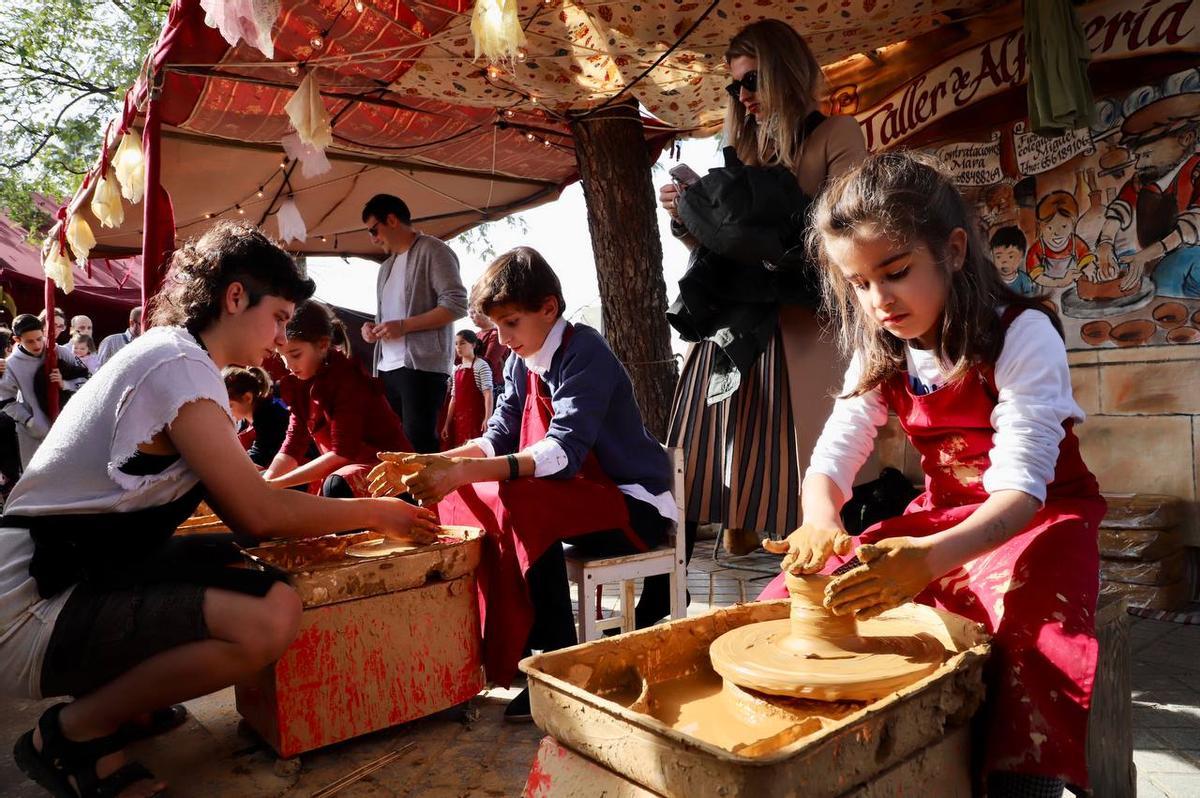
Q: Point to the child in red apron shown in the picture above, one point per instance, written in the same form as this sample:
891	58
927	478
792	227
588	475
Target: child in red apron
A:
471	396
336	406
1006	530
565	457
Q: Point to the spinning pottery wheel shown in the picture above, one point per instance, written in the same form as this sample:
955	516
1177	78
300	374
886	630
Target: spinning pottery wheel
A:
815	654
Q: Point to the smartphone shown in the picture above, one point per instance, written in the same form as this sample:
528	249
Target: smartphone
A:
683	176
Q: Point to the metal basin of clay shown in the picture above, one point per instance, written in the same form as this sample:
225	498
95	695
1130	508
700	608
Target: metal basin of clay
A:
1133	333
1184	335
1170	315
1095	332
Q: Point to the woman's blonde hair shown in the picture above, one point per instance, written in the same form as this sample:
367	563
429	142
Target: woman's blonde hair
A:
789	79
909	197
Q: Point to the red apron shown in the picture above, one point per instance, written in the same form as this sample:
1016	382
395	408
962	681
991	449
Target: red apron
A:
468	409
523	518
1035	593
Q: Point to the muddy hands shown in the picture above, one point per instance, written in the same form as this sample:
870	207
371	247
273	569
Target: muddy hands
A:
893	572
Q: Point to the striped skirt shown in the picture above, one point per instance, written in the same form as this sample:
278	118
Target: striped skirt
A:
744	457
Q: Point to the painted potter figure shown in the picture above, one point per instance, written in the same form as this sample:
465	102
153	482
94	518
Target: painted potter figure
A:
1005	532
98	599
1161	202
566	457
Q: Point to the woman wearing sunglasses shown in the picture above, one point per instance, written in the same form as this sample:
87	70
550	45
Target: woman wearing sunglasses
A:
747	454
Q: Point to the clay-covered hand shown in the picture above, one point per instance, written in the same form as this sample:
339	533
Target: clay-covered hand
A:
808	548
387	478
438	476
405	522
893	572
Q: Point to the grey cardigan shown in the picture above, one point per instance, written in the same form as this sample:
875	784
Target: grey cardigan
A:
433	281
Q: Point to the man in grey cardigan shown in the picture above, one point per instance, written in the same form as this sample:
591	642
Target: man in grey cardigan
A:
419	294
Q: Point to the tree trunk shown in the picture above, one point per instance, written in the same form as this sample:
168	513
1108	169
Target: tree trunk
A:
628	253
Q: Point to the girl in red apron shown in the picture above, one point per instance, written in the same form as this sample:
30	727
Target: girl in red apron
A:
565	457
1006	530
471	397
335	406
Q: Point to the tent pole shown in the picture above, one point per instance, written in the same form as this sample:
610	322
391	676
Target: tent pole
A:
51	350
154	244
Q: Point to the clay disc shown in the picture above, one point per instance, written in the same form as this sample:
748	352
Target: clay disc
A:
891	652
382	547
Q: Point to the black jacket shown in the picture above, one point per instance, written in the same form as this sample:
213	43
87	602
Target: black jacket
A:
749	223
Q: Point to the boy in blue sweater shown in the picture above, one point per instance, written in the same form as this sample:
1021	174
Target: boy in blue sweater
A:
565	457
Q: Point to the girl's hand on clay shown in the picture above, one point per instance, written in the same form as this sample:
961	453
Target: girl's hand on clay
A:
808	548
402	521
437	477
893	572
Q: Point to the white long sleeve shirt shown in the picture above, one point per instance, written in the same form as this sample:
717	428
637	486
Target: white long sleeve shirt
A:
1035	398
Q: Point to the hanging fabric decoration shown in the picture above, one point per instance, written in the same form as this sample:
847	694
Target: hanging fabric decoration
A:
55	262
106	201
312	159
307	111
80	237
291	224
251	20
130	168
497	30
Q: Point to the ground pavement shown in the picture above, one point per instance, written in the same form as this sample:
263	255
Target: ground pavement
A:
457	754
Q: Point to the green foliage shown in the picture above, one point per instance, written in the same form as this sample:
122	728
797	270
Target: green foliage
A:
478	240
64	69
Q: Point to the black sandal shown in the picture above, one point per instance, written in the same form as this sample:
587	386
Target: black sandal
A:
61	760
161	722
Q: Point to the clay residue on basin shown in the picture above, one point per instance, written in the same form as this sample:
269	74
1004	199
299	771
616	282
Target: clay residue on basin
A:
702	706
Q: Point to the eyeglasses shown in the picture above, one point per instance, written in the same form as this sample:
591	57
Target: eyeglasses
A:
373	229
749	82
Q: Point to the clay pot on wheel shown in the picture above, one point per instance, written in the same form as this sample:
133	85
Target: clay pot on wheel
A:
1170	315
1133	333
1108	289
1095	332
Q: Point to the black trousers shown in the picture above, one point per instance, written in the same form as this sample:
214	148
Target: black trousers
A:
553	620
417	397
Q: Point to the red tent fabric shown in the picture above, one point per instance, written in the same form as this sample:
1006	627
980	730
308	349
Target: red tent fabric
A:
105	291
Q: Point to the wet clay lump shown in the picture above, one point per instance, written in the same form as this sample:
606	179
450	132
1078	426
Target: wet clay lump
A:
817	655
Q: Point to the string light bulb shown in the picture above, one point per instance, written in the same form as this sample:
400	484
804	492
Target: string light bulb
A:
530	137
260	193
317	42
493	72
522	53
546	143
533	100
240	210
359	6
208	216
509	113
293	69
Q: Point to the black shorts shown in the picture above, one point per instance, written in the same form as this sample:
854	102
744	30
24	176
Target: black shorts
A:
102	633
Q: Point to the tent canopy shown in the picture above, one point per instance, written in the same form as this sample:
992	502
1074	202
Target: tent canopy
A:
413	115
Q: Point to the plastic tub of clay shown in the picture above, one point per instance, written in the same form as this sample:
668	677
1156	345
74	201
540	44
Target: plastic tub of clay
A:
648	705
325	570
1133	333
1095	332
1170	315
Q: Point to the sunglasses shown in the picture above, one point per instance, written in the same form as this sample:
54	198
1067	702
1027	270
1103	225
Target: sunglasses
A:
373	229
749	82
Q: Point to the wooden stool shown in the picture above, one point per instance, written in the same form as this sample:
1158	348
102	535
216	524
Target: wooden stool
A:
1110	725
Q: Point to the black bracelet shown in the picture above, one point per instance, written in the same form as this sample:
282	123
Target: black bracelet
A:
514	468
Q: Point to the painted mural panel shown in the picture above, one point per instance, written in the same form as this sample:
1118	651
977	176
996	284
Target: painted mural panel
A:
1104	223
